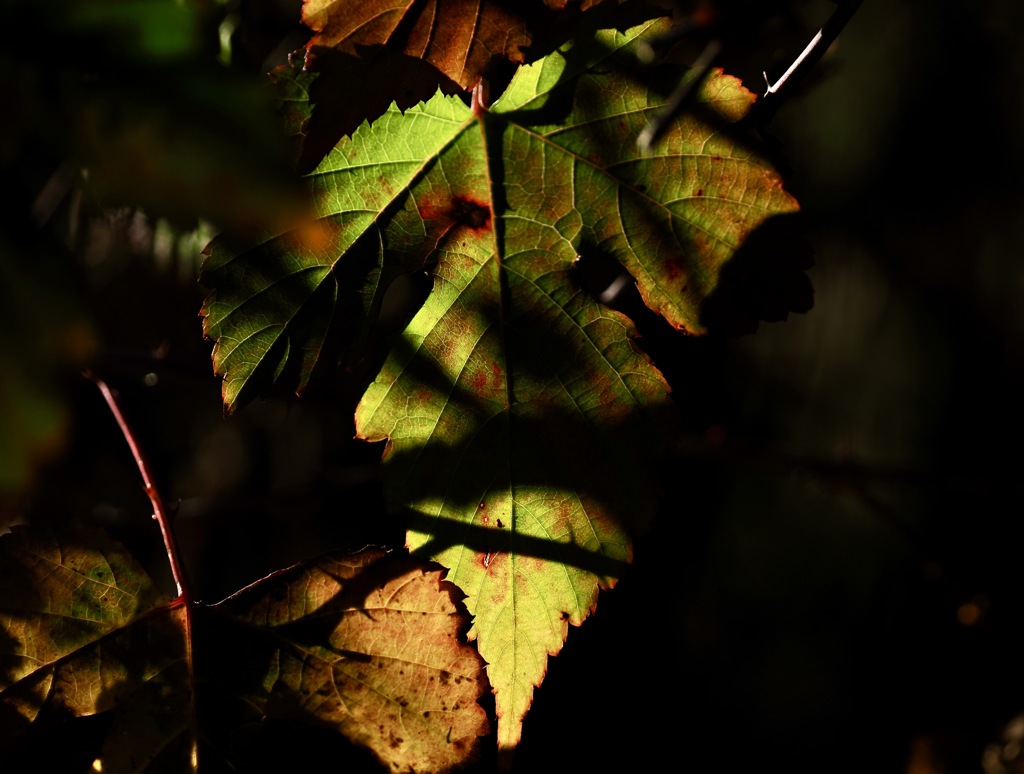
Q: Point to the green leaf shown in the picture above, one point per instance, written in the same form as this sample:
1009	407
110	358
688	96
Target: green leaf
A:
291	87
522	421
367	645
83	630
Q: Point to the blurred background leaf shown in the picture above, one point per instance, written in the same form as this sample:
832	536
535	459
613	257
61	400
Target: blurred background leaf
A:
125	139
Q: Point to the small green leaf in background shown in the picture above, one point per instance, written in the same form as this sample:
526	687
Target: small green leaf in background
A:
522	420
83	631
291	89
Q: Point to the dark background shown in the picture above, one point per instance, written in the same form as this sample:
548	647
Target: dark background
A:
833	581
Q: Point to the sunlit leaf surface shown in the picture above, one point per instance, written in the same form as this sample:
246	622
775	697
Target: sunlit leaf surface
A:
368	645
522	420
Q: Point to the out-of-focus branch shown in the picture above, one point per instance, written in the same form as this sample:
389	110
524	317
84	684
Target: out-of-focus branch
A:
681	97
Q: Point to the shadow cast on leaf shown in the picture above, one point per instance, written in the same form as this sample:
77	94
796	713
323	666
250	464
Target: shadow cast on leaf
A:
765	279
370	645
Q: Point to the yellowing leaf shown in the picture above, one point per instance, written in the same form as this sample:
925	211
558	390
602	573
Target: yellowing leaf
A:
366	645
369	645
82	631
522	421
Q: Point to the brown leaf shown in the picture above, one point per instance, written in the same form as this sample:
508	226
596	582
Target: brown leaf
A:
461	38
367	644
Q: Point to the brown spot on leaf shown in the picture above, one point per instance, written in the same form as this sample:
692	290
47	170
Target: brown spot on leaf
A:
455	210
468	212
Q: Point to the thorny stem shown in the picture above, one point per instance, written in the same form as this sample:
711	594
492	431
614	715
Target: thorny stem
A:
807	58
775	92
162	518
160	514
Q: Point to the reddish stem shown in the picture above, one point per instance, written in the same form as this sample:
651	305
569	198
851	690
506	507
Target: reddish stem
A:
159	510
480	98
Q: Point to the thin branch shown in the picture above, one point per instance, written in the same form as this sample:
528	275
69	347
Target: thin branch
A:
160	513
681	97
810	56
162	518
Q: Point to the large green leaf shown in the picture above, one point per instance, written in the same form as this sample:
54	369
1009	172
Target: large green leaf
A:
521	419
367	645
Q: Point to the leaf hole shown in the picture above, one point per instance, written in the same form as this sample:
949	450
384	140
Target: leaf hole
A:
603	277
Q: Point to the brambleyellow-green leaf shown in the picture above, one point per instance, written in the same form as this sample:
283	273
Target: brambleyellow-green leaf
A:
522	420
